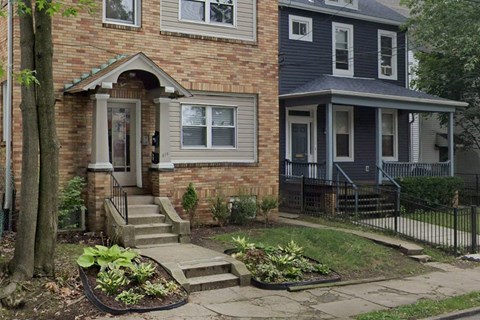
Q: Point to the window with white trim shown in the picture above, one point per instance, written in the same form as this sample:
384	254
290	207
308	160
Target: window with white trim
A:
390	135
349	4
343	133
300	28
208	126
124	12
387	55
342	45
209	11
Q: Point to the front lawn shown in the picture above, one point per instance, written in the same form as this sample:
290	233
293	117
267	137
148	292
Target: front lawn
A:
351	256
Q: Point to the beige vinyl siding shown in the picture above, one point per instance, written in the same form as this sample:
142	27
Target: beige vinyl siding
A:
245	28
245	131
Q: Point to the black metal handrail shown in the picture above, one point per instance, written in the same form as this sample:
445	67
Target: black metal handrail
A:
352	185
119	198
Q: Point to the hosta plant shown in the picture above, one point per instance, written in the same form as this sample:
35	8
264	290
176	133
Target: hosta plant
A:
155	289
111	280
142	272
129	297
104	256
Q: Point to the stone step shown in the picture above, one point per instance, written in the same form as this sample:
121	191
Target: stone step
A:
206	268
145	218
155	239
133	200
216	281
143	208
152	228
135	191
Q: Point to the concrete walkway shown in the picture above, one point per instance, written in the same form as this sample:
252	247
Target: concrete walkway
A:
334	302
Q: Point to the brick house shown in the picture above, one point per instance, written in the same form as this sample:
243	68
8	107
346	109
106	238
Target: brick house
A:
198	77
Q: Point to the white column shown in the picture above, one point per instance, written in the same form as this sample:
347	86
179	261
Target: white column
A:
451	143
378	144
162	125
329	141
100	159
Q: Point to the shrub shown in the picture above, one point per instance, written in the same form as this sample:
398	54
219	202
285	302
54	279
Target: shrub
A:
104	257
109	281
434	190
129	297
266	205
219	209
190	201
243	208
71	203
142	272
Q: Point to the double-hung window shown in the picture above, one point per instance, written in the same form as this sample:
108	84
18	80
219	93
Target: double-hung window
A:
343	137
387	55
208	126
300	28
124	12
342	36
209	11
389	135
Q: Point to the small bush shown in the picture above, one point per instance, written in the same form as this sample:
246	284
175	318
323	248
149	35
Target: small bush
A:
190	202
266	205
142	272
219	209
109	281
71	203
243	208
434	190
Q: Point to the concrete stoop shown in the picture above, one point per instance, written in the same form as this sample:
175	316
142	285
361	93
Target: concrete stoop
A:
209	275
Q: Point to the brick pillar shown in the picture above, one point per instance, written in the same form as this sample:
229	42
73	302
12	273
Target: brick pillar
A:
98	191
330	200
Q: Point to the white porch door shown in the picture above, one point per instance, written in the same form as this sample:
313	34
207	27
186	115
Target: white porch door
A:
122	142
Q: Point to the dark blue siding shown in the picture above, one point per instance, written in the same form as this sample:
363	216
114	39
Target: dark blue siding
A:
302	61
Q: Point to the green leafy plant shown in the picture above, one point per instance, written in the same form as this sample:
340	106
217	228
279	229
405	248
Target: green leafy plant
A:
190	202
104	257
129	297
244	207
155	289
71	203
242	244
142	272
292	248
434	190
266	205
219	209
110	281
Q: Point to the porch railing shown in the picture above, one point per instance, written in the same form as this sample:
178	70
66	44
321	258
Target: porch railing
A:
118	197
344	182
414	169
312	170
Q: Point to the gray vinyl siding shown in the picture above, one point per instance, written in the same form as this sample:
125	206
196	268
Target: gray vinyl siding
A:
302	61
245	29
245	131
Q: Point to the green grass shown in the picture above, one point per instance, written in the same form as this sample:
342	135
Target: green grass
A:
444	219
351	256
425	308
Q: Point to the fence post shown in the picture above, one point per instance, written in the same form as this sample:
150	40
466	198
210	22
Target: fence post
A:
302	194
473	213
397	208
455	231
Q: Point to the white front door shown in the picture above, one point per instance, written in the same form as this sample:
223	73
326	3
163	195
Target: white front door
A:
123	141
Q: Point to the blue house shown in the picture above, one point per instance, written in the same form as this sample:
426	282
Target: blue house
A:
345	106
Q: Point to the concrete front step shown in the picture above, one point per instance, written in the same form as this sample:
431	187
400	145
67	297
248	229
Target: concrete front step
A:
152	228
145	199
211	282
143	208
155	239
145	218
207	268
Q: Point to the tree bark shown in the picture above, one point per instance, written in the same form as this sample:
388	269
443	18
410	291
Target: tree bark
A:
22	264
48	198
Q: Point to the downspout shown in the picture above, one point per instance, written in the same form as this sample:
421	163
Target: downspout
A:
7	118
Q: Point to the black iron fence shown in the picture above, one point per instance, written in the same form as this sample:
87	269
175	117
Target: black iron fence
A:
118	197
470	193
456	230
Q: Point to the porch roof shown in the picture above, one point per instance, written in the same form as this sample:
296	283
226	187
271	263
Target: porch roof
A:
110	71
367	92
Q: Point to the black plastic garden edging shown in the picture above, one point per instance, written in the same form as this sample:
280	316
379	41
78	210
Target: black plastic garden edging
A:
285	285
100	305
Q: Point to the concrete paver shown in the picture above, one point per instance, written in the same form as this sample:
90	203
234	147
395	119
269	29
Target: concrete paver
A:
343	310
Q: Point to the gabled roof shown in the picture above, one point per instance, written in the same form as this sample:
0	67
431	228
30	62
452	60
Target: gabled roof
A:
369	10
110	72
369	92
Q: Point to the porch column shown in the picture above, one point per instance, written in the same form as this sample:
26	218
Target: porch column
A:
162	126
451	143
378	144
329	142
100	159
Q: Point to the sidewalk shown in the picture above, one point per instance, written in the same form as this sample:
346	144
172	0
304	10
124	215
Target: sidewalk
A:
336	302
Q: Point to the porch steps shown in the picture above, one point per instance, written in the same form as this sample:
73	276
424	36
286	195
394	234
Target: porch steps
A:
209	275
155	239
369	205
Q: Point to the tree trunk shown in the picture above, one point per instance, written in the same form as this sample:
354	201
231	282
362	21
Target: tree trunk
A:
48	199
22	264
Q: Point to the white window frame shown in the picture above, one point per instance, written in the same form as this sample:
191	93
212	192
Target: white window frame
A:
351	150
349	29
308	21
395	134
312	123
137	18
393	35
207	15
208	125
349	4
